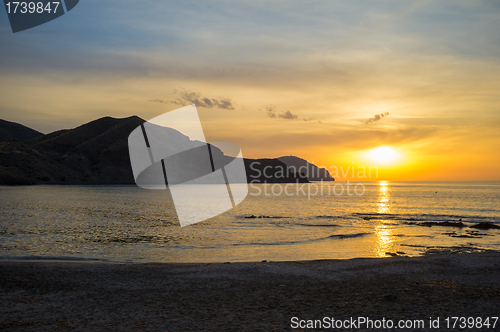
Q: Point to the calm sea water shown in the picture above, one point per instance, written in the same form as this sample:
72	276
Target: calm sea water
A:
126	223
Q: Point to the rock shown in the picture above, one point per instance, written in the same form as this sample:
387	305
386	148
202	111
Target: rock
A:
442	223
485	225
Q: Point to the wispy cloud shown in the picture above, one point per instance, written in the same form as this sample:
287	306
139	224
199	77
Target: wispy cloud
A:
160	101
188	98
351	138
200	101
272	112
377	117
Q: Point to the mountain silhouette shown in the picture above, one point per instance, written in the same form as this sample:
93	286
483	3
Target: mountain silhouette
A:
12	131
97	153
311	171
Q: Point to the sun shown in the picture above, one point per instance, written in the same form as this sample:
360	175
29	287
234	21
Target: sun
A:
383	155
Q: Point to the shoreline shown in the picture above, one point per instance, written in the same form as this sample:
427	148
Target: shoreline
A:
105	296
430	251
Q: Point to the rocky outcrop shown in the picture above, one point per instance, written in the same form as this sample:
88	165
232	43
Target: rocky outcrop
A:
271	171
310	171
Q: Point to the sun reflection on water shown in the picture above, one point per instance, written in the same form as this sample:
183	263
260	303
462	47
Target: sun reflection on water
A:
384	232
383	205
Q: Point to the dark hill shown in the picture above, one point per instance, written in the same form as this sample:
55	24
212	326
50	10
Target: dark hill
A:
311	171
12	131
97	153
270	171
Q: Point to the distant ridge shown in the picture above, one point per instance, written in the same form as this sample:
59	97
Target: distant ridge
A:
311	171
95	153
12	131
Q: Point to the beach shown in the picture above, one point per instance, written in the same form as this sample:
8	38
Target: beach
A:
259	296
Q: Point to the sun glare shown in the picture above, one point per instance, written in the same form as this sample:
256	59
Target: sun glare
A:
383	155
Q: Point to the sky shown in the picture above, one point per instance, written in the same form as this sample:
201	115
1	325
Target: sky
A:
328	81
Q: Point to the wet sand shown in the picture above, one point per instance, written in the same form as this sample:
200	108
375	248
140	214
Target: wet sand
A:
264	296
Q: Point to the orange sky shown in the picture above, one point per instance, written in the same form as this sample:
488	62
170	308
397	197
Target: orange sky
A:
280	79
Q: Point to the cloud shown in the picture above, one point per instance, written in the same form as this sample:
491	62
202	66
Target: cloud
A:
311	119
272	113
377	117
199	101
188	98
350	139
161	101
288	115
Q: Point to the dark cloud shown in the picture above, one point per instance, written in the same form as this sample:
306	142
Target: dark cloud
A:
288	115
187	98
272	113
378	117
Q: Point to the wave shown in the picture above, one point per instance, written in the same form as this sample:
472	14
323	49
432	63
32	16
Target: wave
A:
347	236
252	216
458	224
439	223
433	218
139	239
318	225
334	236
373	215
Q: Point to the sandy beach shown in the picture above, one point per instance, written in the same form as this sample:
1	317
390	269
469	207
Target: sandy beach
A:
263	296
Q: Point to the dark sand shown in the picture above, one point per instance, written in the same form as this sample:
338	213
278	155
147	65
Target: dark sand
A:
80	296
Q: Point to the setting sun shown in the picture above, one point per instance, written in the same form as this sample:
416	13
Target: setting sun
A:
383	155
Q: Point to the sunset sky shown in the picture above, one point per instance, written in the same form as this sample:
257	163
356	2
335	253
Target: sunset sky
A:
327	81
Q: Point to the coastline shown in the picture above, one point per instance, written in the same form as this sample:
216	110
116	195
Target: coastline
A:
102	296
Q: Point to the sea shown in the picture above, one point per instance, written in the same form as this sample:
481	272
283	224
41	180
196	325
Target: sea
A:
275	222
